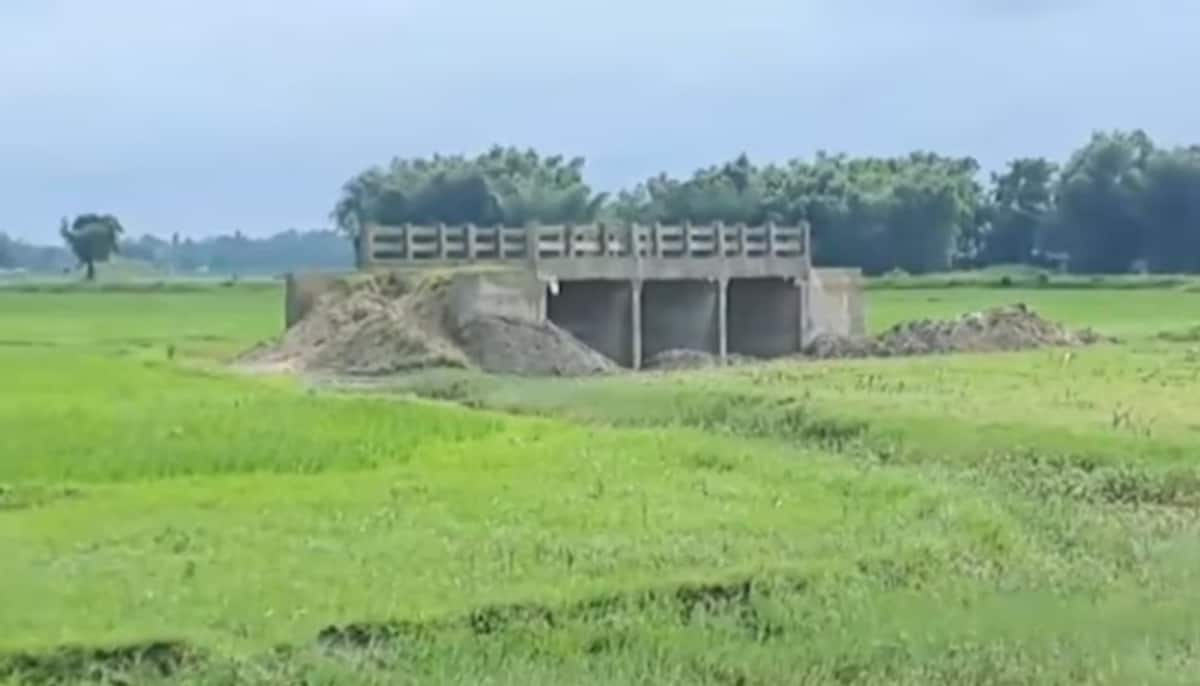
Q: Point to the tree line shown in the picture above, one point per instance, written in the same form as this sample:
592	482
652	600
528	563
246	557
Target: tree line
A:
237	253
1119	203
92	238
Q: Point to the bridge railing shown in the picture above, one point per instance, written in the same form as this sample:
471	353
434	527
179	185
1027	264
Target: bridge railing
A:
409	244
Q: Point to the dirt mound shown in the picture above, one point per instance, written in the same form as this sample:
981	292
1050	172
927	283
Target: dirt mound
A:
389	323
999	329
684	358
511	346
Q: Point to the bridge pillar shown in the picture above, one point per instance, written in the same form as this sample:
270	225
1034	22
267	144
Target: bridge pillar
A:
723	318
635	323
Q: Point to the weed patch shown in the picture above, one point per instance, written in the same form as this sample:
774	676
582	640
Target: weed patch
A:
1096	481
99	665
688	603
761	416
1189	335
28	496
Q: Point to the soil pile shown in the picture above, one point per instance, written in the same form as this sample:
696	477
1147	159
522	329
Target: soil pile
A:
684	358
512	346
388	324
999	329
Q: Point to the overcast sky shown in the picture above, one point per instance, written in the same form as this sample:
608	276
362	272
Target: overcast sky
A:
214	115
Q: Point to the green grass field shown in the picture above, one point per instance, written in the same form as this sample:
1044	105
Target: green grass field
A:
1025	518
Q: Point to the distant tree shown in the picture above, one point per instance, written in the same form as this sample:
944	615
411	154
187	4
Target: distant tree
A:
8	257
146	248
1169	211
1099	222
878	214
92	238
1020	207
188	259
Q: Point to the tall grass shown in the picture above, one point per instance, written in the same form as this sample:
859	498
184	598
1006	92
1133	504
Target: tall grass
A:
210	322
1026	518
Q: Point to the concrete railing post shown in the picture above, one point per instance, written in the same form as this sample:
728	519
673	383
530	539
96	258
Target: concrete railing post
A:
532	246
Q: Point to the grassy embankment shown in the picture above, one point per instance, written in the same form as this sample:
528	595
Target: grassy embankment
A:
1022	518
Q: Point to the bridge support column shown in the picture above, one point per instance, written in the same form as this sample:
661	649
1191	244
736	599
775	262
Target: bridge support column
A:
723	318
635	323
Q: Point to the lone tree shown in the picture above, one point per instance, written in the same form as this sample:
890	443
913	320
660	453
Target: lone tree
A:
7	257
93	238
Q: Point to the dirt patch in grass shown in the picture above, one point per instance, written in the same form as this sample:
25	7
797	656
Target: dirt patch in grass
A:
393	323
999	329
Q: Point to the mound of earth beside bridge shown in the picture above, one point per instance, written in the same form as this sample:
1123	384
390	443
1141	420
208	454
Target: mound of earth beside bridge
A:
999	329
392	323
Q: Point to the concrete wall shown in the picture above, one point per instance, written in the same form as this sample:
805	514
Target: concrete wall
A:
764	317
680	314
599	313
514	294
837	304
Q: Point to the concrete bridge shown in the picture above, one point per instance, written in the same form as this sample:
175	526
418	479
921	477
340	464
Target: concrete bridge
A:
632	292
